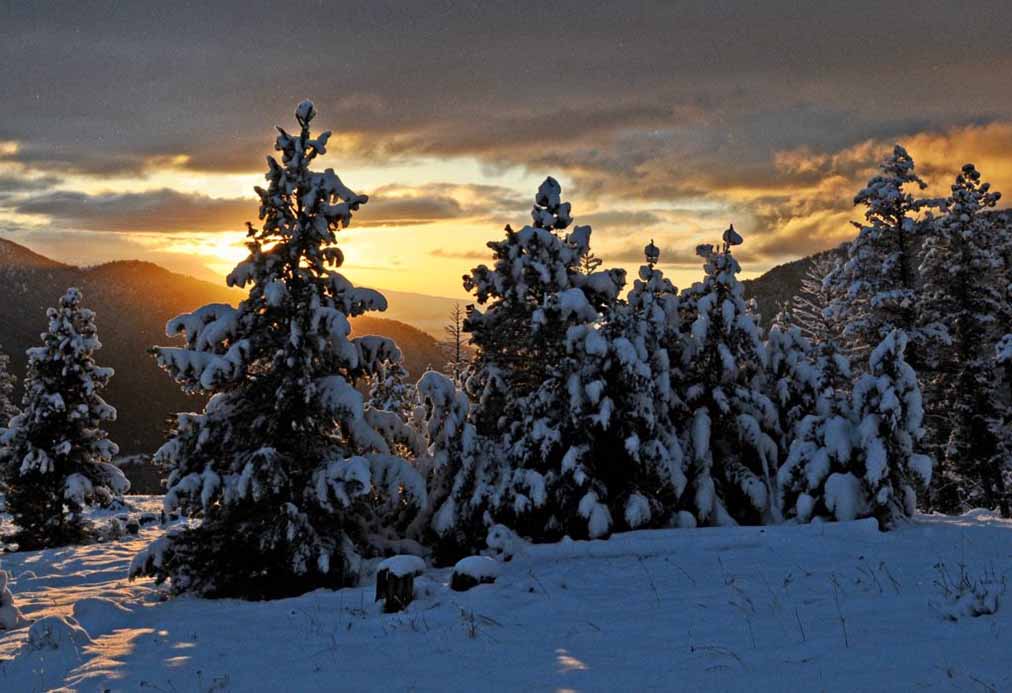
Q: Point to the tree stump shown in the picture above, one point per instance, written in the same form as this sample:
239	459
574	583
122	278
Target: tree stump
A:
395	581
396	591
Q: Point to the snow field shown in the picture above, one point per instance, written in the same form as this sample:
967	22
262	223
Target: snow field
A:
833	607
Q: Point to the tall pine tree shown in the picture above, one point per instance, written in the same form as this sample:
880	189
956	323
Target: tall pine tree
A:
515	344
792	377
583	443
596	434
823	441
461	476
289	483
965	304
54	456
731	445
876	288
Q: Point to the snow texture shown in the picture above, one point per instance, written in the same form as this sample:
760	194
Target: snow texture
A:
578	615
403	565
481	568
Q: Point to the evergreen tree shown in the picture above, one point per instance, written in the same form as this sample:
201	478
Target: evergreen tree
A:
597	452
390	390
888	413
54	455
460	476
8	383
652	322
733	454
822	444
516	345
876	287
792	377
811	308
454	345
965	304
290	483
859	458
585	448
590	263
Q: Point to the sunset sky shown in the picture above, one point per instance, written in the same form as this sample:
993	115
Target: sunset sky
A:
132	130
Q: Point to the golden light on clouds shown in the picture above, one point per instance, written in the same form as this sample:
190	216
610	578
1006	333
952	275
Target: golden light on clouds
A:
989	147
429	219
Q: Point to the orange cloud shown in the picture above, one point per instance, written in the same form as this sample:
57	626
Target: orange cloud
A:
810	204
940	155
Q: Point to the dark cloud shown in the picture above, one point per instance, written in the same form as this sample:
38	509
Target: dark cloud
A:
158	210
618	218
20	184
169	210
103	87
408	211
679	255
475	255
766	112
12	186
401	205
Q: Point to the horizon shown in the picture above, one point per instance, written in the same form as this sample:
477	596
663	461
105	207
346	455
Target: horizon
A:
211	279
139	132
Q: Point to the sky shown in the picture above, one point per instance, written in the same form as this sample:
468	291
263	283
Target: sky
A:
138	130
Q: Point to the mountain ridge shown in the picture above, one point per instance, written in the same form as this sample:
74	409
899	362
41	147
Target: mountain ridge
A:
133	299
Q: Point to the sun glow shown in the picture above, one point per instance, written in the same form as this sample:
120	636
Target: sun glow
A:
220	252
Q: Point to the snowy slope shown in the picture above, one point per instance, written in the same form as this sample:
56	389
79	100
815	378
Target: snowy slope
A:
832	607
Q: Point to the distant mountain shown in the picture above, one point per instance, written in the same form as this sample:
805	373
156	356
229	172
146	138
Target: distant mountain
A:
420	349
428	313
779	285
133	300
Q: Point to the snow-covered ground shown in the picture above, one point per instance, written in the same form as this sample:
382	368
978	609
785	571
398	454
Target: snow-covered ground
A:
831	607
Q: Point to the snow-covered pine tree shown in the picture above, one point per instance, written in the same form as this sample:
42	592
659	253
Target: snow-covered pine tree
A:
823	441
597	452
888	413
461	476
289	482
390	390
860	458
652	322
876	287
585	449
792	377
8	383
810	308
54	455
964	302
623	399
730	444
515	345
